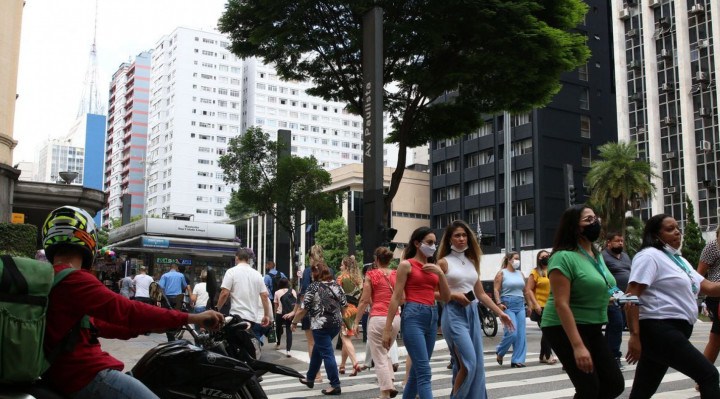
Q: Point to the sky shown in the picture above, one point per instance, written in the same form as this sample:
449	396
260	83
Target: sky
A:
55	47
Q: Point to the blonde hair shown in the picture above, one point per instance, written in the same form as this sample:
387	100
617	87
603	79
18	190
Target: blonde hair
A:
508	259
352	270
316	254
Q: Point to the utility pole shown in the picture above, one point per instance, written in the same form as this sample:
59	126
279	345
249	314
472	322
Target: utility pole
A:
372	113
508	182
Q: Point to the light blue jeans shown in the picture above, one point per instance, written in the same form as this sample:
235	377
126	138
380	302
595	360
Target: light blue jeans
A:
113	384
419	329
516	338
463	333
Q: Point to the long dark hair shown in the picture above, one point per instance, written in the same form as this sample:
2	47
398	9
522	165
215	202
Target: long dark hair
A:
418	236
568	232
473	251
652	231
538	266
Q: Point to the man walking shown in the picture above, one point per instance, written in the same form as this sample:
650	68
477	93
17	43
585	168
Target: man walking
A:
174	286
141	282
272	278
618	262
248	294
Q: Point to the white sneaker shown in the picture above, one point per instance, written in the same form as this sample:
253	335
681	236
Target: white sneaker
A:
287	354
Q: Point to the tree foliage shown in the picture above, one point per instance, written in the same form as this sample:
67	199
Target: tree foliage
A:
618	182
693	241
633	235
279	188
494	55
332	235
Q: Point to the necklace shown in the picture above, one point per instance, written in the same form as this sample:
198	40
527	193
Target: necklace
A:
458	256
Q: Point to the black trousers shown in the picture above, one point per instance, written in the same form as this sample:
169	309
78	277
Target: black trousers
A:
666	343
175	303
281	324
606	381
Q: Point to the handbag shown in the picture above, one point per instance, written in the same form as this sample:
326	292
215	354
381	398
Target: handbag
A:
535	316
271	334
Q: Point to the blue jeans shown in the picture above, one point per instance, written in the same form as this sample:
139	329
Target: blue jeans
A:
516	338
323	352
463	333
198	309
419	329
113	384
614	329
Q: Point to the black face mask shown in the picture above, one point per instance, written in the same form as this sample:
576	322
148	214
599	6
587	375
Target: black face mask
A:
592	231
544	261
617	250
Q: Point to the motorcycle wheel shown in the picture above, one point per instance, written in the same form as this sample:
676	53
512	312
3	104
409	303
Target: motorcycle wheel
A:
489	324
251	390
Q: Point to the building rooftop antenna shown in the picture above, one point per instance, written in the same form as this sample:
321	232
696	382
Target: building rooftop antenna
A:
89	102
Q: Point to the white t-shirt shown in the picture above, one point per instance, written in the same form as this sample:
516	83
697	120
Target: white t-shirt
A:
142	285
200	290
669	290
245	285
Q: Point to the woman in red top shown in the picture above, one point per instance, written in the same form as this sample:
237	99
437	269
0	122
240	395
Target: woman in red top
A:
417	280
377	291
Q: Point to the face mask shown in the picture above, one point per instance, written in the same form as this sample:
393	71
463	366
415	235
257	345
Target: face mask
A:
427	250
592	231
456	249
670	249
516	264
616	250
544	261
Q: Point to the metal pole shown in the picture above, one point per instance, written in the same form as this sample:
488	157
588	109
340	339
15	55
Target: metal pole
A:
372	113
508	182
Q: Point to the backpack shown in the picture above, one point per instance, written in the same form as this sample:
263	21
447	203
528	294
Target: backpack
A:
25	285
156	292
275	280
288	302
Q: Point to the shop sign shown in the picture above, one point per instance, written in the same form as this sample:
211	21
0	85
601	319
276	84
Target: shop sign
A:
167	261
18	218
155	242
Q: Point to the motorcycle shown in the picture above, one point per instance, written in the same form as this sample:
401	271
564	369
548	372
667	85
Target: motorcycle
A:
180	369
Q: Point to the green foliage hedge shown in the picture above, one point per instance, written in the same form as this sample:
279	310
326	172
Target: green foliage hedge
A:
18	239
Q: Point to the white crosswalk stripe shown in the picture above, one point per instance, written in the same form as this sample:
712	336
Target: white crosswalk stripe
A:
548	382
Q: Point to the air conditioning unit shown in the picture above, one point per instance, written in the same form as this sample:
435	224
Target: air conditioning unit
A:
663	22
670	190
667	121
634	64
654	3
631	32
669	155
665	87
665	53
704	111
705	145
701	76
624	14
696	9
703	43
635	97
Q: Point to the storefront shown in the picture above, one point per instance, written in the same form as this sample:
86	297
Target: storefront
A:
159	243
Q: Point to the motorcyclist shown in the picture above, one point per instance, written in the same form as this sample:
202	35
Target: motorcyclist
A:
80	368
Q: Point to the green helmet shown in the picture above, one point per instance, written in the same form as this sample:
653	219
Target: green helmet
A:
70	226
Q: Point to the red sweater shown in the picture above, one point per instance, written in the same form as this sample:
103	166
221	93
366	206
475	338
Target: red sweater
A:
114	316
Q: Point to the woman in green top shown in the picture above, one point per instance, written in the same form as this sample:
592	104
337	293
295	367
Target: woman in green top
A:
581	286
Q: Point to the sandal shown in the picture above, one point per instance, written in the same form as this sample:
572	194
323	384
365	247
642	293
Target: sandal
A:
356	370
517	365
341	369
499	359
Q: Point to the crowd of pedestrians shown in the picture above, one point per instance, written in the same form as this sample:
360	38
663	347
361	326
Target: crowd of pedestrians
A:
572	292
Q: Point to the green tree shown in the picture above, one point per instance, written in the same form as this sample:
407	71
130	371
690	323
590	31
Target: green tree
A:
279	188
103	235
618	182
693	241
332	235
633	235
237	210
494	55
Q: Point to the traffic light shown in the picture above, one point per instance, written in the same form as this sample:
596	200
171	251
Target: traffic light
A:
571	195
387	234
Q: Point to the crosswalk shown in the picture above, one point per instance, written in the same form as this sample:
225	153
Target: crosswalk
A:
536	381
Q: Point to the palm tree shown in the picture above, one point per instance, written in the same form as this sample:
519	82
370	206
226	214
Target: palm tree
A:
618	182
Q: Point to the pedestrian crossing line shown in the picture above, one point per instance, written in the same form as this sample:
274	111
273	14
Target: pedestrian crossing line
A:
440	345
569	392
679	394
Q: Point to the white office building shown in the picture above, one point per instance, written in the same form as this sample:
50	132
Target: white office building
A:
59	155
666	69
201	96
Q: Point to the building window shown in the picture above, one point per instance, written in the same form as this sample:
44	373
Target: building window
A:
520	119
585	99
453	192
585	126
524	207
583	73
586	158
521	147
441	194
527	238
472	160
486	129
522	177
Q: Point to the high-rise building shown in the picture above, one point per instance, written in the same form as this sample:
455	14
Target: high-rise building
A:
468	172
126	138
59	155
201	97
666	68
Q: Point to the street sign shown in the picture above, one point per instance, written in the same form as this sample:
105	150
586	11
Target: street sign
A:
18	218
